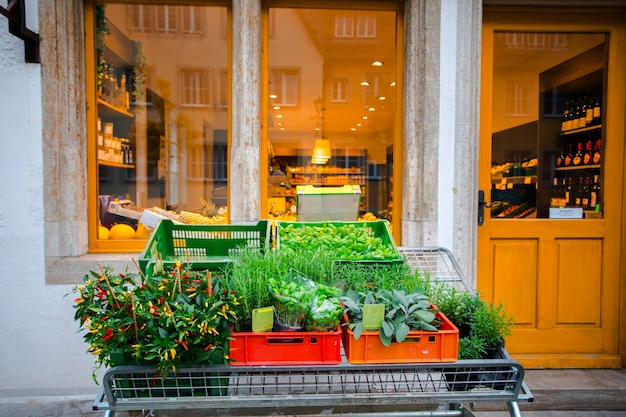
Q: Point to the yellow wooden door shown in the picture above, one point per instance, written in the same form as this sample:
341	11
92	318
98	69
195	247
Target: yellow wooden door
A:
559	278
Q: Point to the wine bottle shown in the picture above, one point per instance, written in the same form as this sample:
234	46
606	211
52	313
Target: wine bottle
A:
584	200
568	191
568	157
578	157
597	192
597	152
579	193
576	117
588	157
593	193
565	120
597	116
560	158
582	116
589	114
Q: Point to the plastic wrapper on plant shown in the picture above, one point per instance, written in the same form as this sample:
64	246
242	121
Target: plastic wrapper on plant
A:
302	304
290	298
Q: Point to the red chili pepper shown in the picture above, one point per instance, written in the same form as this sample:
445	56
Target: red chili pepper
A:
207	347
108	334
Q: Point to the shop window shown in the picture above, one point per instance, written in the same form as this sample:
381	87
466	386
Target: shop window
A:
284	87
222	89
342	131
140	18
344	26
517	98
161	141
547	125
339	90
166	19
195	87
366	27
193	21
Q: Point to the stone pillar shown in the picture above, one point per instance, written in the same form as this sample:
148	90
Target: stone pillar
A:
420	123
467	137
245	159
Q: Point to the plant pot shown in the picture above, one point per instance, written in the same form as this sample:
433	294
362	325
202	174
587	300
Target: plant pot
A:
491	377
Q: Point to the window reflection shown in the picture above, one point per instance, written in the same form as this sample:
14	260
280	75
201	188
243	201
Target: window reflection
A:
162	111
332	111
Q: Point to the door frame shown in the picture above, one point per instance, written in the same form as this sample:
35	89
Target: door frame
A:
587	20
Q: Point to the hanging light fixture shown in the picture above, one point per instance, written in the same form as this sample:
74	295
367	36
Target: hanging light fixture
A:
321	150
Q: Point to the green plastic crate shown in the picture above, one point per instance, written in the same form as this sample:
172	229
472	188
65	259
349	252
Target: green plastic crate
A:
202	246
378	229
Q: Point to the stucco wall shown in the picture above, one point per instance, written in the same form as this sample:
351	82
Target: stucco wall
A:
39	348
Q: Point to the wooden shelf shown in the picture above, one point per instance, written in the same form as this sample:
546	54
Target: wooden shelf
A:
583	130
114	164
117	110
578	167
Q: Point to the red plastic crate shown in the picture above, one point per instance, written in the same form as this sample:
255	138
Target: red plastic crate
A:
286	348
419	346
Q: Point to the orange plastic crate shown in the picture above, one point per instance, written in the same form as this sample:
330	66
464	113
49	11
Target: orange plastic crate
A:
419	346
286	348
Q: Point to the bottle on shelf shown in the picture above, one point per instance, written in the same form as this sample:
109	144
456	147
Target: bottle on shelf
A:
588	156
578	157
566	116
576	117
582	116
568	191
597	152
560	158
597	116
579	193
569	157
593	193
585	194
589	113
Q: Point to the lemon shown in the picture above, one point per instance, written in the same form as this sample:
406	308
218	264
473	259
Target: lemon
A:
143	232
121	231
103	232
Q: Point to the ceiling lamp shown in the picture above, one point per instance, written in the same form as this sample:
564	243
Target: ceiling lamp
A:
321	151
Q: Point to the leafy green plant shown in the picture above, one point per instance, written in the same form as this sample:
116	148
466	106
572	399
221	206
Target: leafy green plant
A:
403	313
471	347
251	273
178	316
492	324
482	325
345	241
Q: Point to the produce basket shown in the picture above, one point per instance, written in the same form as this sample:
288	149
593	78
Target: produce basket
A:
202	246
418	347
285	348
358	241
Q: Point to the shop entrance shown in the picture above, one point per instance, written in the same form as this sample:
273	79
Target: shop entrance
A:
551	168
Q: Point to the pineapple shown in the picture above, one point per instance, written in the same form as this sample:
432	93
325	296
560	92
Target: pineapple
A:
209	209
189	217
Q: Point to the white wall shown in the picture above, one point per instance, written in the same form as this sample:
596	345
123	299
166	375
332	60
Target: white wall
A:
40	351
447	124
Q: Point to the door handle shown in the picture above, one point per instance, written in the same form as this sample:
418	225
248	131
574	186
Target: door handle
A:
481	207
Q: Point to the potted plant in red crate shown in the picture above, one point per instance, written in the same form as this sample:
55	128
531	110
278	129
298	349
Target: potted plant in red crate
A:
172	318
412	329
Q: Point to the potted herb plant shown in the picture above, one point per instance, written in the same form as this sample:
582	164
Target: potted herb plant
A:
175	317
403	312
